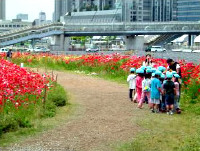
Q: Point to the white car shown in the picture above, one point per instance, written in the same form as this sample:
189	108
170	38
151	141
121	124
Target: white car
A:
186	50
92	50
196	51
4	50
38	49
155	49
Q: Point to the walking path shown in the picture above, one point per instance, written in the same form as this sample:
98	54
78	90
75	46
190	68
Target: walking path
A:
104	117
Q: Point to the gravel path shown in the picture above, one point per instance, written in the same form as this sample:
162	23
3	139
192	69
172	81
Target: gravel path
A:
103	118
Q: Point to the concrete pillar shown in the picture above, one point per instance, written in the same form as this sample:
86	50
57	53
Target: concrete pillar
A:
189	40
67	41
60	43
134	42
33	42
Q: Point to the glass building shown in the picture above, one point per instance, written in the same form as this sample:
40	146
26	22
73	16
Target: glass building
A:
188	10
2	9
163	10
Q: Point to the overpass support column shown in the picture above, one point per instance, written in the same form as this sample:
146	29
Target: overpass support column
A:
134	42
190	40
67	43
60	43
64	43
62	39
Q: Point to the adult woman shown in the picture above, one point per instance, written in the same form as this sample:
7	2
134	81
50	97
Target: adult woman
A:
148	61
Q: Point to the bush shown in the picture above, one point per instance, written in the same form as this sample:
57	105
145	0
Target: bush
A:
50	110
58	96
23	117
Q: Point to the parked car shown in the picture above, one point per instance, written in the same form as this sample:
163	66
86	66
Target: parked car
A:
3	50
94	49
196	51
155	49
38	49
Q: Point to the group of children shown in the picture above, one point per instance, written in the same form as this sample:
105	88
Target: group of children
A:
157	87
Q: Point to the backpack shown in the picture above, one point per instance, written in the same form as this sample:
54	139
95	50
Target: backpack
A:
146	88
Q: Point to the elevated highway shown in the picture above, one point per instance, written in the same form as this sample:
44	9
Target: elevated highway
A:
129	29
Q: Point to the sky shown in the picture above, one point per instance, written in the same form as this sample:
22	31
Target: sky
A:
30	7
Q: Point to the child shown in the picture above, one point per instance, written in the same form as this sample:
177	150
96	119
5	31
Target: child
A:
169	90
155	92
139	79
162	96
132	83
145	88
177	96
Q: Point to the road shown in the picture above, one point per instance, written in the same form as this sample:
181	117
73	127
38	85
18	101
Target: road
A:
190	57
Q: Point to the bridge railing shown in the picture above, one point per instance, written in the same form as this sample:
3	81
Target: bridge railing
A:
153	26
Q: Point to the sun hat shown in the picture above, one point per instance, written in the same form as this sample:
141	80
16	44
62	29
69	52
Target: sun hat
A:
153	70
143	67
161	68
176	76
148	67
132	70
139	70
162	76
169	75
174	72
158	72
149	71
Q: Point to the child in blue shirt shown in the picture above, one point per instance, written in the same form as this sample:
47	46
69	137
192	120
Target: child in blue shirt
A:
155	92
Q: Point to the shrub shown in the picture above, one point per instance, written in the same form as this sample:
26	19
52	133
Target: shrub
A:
58	95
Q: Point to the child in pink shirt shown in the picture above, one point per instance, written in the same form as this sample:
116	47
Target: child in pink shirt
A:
139	80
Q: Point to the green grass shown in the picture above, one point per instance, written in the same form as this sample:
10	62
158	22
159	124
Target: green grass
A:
162	132
16	125
159	132
40	125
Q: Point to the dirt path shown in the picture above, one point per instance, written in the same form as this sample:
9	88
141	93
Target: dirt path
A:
104	117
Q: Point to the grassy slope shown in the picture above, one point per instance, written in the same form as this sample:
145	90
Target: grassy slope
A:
40	125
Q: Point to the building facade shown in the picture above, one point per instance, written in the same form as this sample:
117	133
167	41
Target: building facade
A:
162	10
14	24
131	10
188	10
61	7
2	9
22	16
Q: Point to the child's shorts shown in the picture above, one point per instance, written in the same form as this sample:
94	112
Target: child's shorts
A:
155	101
169	99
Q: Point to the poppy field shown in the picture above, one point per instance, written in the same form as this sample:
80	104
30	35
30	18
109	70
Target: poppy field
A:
23	96
115	66
23	91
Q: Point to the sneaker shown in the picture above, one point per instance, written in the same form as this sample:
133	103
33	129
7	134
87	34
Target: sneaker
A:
152	110
171	112
168	113
157	111
178	111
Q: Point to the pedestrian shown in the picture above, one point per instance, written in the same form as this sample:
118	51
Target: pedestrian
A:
139	80
132	83
169	91
177	96
162	106
148	61
9	54
155	92
173	66
145	88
